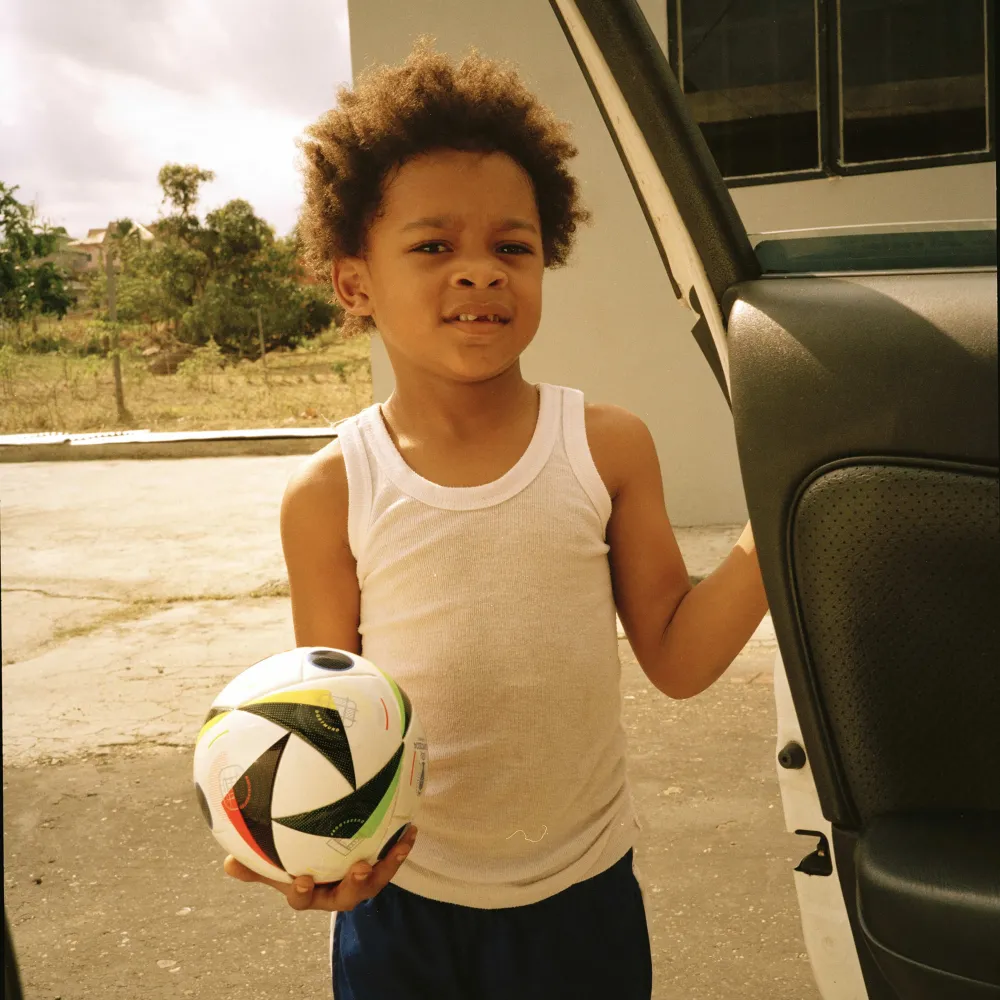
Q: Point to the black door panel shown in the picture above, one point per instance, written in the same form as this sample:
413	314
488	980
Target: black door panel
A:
861	369
879	357
866	422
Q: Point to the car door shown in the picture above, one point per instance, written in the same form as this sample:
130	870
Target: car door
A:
861	369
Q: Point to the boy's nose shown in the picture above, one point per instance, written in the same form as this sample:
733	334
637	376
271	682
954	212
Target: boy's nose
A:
485	275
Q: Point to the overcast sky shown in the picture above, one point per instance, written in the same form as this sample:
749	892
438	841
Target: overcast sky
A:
96	95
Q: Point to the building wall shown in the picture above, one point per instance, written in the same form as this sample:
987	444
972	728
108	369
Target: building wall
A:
611	325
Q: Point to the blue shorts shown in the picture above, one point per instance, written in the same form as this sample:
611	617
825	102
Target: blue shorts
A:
588	942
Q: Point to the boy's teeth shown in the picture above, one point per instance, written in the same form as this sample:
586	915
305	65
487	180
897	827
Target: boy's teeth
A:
469	318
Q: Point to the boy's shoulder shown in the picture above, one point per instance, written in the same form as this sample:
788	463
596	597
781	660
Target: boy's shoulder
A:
318	485
618	440
323	466
610	419
326	467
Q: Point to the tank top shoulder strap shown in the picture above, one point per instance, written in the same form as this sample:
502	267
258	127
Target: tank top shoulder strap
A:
574	429
359	481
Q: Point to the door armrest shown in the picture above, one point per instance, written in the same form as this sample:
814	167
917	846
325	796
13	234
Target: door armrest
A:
928	891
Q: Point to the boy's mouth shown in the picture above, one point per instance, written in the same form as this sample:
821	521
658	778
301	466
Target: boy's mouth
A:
485	320
480	313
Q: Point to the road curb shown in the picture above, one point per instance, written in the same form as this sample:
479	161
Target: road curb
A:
116	445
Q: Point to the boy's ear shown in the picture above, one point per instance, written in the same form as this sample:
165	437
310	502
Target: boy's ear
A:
350	284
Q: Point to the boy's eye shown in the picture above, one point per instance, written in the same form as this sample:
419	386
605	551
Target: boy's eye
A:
507	249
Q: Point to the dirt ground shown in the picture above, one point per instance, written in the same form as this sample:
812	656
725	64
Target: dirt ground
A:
115	641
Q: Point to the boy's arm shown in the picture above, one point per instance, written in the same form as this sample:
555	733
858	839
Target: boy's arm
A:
322	574
684	638
325	609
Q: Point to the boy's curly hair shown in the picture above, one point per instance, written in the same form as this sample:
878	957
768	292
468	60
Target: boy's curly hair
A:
427	103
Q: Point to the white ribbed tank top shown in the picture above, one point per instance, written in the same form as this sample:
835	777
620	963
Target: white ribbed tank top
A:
492	607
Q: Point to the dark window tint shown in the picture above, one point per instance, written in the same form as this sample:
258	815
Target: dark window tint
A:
904	251
912	78
748	69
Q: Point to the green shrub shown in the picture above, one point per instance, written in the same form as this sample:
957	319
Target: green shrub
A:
206	361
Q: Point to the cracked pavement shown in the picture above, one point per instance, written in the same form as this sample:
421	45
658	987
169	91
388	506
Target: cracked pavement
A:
102	629
132	591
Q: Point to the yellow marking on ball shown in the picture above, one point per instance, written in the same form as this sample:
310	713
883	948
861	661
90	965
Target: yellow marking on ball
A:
212	722
319	697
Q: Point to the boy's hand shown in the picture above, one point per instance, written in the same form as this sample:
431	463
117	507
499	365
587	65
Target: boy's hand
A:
360	883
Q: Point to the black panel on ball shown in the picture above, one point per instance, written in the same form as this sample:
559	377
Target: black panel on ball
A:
342	819
330	659
203	804
321	728
256	784
214	712
407	710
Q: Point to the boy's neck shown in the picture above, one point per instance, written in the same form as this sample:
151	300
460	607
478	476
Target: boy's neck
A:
459	410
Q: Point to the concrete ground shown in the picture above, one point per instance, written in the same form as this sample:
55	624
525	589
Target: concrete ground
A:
132	591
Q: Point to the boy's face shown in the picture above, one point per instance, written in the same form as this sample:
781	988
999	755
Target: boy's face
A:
458	233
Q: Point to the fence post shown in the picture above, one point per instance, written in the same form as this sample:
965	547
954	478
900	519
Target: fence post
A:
260	333
124	417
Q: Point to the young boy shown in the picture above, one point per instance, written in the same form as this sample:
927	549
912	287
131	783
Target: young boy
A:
473	536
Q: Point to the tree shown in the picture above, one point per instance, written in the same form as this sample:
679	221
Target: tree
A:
29	283
180	185
252	275
236	235
142	285
227	280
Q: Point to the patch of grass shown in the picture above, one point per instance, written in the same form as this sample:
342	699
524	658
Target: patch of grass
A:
319	383
142	607
273	588
130	612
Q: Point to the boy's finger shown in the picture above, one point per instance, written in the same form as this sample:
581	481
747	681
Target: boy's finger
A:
302	885
363	881
353	890
345	894
301	892
385	870
238	870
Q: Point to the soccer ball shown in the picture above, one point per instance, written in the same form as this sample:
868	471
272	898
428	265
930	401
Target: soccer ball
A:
310	761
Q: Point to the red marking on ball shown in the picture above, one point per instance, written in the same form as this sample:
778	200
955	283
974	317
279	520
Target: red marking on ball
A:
239	824
384	709
229	802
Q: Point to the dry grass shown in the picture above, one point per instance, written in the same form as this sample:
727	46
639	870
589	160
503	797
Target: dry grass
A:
310	387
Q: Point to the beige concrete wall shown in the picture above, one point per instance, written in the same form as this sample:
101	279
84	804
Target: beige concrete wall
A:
610	325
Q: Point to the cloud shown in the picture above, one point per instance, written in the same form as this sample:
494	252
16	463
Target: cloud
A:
100	94
288	55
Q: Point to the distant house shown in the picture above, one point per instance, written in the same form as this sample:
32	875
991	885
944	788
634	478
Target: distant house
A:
88	253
